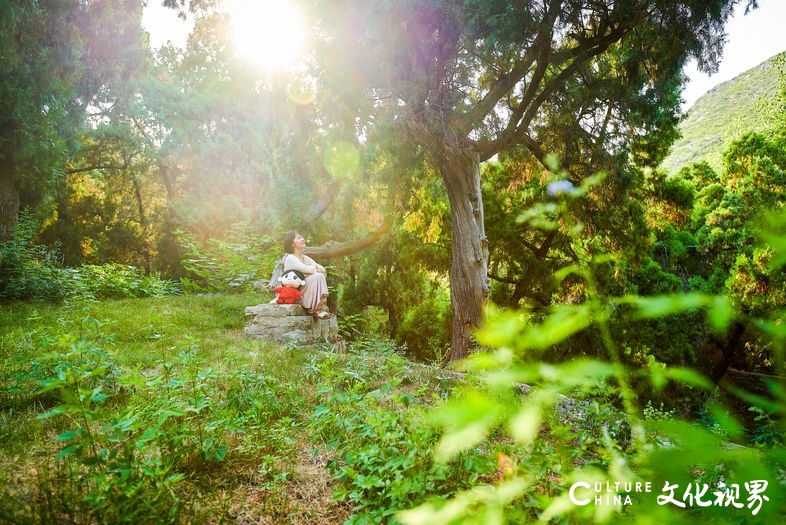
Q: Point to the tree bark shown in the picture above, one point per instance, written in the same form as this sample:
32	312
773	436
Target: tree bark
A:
9	206
469	287
728	347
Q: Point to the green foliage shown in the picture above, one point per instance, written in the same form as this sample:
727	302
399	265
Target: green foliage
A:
383	445
645	445
651	279
723	114
715	247
60	58
123	480
32	271
114	281
137	439
227	265
28	270
41	64
395	289
164	415
425	329
235	146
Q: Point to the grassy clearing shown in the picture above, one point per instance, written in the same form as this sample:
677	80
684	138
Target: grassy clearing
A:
158	410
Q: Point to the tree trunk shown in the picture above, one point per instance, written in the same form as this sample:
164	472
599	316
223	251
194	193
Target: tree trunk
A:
9	206
469	287
728	348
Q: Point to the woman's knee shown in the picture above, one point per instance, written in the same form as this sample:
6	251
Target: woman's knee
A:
316	278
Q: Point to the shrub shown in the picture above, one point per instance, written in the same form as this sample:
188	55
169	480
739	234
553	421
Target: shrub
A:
425	329
132	445
32	271
114	281
641	445
231	265
382	444
28	270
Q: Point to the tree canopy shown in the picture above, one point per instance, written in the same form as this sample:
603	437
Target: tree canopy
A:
458	111
595	83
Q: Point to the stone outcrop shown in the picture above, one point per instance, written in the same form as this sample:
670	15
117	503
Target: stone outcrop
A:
289	324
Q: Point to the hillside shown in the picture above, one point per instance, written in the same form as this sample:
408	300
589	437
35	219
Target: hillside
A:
723	114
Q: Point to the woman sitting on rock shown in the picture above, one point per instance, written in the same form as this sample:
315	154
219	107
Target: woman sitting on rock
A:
315	291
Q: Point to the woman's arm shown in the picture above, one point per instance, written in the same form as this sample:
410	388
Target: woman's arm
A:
309	260
293	263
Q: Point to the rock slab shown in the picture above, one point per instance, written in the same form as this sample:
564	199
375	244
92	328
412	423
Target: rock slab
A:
289	324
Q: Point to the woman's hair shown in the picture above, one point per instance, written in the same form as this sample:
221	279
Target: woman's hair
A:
289	238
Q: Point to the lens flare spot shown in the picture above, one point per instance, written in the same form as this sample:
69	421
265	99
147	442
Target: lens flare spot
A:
342	160
301	92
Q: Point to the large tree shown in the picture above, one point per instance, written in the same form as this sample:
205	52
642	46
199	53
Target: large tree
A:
459	81
60	59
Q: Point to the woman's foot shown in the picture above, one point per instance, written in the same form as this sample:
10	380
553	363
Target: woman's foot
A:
324	314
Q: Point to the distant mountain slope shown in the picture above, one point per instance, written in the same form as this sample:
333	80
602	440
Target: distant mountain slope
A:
722	115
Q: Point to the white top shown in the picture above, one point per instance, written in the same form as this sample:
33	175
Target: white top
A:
307	265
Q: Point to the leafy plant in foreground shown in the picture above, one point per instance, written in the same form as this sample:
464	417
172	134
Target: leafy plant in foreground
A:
383	451
555	456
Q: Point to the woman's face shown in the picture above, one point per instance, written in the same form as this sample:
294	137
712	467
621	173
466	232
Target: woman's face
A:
298	241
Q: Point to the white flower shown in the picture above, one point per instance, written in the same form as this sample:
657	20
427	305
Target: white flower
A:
558	187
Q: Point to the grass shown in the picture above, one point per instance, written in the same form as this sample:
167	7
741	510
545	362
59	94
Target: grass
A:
140	330
159	410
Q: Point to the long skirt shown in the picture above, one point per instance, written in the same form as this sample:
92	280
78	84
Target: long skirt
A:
315	292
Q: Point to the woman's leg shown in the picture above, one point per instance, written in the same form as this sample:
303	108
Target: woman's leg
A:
315	294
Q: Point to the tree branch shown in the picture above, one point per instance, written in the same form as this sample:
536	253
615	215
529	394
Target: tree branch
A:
505	83
526	110
72	171
322	203
333	250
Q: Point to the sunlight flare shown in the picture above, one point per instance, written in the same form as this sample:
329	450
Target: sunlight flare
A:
269	32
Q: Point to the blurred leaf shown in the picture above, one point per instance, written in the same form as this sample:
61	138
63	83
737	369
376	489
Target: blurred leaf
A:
772	234
500	358
587	183
571	269
756	400
688	440
664	305
454	442
501	328
51	413
585	372
540	216
467	420
97	396
689	376
68	435
484	502
563	322
552	162
69	451
720	313
525	424
776	329
727	422
657	374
